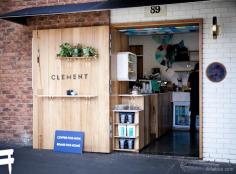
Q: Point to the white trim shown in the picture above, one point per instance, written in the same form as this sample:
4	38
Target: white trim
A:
7	161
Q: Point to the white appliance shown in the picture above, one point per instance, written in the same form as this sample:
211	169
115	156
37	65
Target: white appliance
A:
126	66
181	115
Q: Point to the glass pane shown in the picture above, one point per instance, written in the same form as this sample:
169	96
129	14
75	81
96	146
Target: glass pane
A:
182	117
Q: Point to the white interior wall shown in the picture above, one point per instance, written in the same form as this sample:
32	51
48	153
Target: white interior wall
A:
219	99
191	41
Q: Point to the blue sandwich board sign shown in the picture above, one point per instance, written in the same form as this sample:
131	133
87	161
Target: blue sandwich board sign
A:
69	141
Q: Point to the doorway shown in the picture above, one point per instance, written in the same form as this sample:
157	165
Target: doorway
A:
178	138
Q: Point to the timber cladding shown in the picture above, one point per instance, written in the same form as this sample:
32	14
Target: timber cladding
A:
53	110
16	100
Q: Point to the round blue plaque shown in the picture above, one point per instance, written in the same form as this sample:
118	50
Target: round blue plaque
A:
216	72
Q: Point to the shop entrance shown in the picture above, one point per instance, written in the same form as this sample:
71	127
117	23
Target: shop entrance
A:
167	53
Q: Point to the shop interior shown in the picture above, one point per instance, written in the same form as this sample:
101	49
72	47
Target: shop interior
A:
165	58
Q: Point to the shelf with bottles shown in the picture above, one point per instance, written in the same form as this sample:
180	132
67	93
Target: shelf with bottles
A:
126	145
185	66
126	130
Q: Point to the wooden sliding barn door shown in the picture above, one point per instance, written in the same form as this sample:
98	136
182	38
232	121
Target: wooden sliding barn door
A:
52	77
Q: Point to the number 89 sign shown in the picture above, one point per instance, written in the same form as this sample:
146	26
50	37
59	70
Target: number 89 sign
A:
155	11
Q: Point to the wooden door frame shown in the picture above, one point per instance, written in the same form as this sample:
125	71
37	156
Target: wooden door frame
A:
183	22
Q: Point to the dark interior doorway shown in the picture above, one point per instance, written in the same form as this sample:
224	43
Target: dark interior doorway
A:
176	142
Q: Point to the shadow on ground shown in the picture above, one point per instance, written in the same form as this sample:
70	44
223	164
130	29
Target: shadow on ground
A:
29	161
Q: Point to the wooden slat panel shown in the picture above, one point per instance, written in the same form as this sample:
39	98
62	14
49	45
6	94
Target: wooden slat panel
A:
119	42
200	89
35	85
76	114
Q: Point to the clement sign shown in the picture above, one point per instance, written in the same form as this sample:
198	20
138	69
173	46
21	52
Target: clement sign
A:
69	76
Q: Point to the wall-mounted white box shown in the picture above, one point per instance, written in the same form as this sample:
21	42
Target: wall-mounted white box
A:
126	66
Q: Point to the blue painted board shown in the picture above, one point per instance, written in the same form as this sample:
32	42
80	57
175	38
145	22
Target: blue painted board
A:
69	141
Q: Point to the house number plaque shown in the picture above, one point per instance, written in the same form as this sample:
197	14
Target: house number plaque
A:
155	11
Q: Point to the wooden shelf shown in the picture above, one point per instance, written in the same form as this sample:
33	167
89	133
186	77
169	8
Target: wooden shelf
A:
185	62
127	124
193	51
126	137
127	150
78	58
67	96
138	110
136	127
183	70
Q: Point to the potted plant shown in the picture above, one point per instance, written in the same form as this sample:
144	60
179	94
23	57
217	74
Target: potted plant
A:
89	52
77	51
66	50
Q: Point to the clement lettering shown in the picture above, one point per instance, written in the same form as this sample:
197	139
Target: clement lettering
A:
69	76
80	76
53	77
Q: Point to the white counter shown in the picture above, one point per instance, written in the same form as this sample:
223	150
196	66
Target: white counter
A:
180	97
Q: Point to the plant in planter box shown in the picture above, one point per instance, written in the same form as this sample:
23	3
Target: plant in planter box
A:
77	51
66	50
89	51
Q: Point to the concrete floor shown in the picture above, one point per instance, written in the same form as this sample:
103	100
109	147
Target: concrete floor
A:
175	143
28	161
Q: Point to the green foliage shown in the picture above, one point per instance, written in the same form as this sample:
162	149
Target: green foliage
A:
76	51
89	51
66	50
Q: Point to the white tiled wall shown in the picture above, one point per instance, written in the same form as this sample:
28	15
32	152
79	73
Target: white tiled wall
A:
219	99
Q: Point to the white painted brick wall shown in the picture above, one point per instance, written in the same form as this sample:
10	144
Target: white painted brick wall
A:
219	99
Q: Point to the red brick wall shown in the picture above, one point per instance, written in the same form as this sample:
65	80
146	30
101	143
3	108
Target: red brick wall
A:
70	20
15	64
